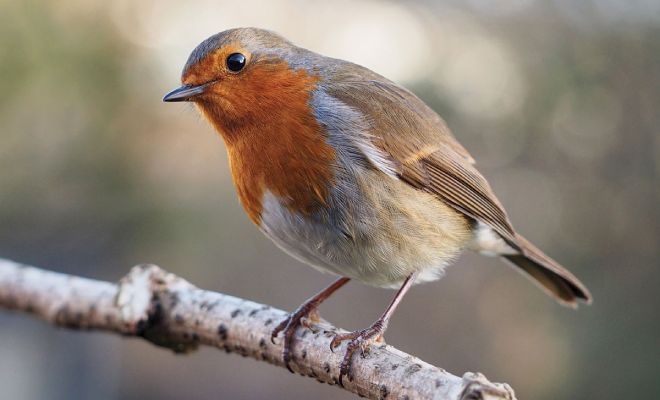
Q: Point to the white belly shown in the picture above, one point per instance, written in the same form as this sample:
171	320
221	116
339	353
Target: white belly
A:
377	230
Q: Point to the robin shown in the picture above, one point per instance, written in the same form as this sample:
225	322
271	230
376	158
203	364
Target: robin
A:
351	174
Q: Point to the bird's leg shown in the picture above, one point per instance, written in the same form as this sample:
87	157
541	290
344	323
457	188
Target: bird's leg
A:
363	338
306	309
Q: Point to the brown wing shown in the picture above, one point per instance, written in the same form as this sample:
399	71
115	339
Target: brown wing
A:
421	146
427	156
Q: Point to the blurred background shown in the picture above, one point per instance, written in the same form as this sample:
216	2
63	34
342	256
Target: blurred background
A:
559	101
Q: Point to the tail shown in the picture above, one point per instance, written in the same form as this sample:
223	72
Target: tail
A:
554	279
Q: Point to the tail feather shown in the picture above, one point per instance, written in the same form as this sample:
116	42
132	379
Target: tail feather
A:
556	280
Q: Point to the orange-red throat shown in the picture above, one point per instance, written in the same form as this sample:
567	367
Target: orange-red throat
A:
273	139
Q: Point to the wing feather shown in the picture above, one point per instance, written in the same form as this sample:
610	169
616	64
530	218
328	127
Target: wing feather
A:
425	154
421	146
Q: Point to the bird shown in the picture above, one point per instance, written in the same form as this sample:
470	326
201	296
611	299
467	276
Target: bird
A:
351	174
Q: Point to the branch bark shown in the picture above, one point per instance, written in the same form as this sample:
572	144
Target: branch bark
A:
170	312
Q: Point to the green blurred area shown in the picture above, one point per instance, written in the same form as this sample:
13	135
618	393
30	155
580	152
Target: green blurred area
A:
96	175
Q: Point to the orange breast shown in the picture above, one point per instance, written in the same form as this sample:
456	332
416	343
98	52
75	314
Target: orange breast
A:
273	140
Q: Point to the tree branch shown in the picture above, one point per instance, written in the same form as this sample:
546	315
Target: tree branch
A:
170	312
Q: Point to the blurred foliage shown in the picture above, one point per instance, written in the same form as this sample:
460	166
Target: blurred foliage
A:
96	175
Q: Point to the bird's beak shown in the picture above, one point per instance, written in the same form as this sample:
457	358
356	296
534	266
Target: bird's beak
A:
185	93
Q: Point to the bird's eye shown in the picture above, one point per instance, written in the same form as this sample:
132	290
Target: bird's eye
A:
235	62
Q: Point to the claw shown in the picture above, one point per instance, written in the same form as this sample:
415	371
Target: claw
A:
358	340
362	339
304	315
279	328
288	326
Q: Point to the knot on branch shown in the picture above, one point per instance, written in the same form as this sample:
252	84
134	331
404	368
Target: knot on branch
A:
142	298
477	387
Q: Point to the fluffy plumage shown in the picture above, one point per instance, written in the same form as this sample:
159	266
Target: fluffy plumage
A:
349	171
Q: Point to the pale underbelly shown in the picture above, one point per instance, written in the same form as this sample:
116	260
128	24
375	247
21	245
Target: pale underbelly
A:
379	233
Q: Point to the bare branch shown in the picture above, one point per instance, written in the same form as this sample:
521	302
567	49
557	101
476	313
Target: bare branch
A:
170	312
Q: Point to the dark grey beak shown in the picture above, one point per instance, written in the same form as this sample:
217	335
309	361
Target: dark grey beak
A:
184	93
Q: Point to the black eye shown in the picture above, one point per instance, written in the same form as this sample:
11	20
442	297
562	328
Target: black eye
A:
235	62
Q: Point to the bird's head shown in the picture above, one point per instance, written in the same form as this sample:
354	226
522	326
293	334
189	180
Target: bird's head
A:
247	76
256	89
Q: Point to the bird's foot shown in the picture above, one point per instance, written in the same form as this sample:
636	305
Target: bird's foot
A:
305	316
358	340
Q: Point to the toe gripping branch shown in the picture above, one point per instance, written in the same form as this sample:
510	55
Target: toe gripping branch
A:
306	311
360	339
